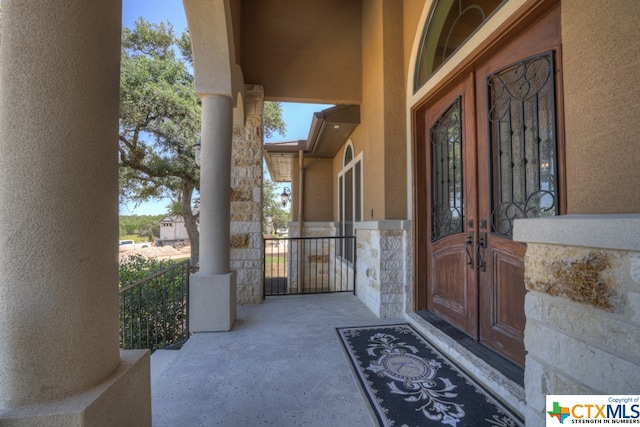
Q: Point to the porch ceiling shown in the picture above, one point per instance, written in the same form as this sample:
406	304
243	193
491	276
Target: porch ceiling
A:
301	50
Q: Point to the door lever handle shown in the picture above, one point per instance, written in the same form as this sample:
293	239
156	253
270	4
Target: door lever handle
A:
482	243
467	245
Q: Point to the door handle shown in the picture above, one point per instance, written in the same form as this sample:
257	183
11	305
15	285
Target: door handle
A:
467	245
482	243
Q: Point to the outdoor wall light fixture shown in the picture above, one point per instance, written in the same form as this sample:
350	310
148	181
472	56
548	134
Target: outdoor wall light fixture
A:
285	196
197	148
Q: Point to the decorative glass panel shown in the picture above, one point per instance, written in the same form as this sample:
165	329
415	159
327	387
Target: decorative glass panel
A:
523	142
340	211
446	173
450	24
348	155
358	190
348	211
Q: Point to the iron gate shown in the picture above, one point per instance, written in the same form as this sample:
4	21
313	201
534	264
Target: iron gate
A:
308	265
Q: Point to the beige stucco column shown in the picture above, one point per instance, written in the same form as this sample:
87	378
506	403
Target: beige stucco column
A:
213	289
60	362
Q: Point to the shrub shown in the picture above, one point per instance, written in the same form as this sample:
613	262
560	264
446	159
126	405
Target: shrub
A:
153	313
136	267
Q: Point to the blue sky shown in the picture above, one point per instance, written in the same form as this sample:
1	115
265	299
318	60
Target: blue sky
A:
296	116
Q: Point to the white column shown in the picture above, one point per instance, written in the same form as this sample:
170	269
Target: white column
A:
60	362
215	184
212	298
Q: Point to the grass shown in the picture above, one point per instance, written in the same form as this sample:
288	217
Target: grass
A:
270	259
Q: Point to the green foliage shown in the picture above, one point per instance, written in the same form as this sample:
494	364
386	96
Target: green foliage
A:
159	115
273	121
152	314
184	44
136	267
159	121
145	226
272	207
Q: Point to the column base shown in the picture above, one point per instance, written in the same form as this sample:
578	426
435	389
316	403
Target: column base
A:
212	302
124	398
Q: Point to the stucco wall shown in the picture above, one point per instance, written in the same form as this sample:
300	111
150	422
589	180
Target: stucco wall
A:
318	193
395	155
381	135
411	11
601	73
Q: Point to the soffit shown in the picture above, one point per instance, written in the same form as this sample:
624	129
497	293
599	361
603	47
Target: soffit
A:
278	157
330	129
301	50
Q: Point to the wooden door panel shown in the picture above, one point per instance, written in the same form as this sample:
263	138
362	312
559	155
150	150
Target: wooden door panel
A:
452	291
508	293
453	296
502	319
516	98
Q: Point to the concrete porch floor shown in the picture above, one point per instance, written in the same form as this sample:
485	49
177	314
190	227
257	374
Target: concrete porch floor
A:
280	365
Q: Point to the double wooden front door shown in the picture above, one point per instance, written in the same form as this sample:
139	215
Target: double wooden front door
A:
490	150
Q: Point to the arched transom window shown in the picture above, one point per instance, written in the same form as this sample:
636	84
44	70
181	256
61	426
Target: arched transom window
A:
450	24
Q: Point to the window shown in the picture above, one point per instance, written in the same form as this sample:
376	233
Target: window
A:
447	207
450	24
350	199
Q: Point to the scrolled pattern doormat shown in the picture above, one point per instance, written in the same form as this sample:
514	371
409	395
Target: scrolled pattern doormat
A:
408	382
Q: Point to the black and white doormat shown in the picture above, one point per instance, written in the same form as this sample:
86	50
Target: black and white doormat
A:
410	383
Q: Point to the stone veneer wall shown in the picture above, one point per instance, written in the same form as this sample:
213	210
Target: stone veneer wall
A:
383	262
246	199
582	334
383	266
309	229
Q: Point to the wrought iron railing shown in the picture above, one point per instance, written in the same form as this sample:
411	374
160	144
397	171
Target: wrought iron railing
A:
309	265
154	312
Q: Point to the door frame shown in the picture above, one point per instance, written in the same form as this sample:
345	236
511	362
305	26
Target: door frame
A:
515	25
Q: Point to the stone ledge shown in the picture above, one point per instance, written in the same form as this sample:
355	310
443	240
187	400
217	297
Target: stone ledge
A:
578	360
512	394
599	329
308	224
614	231
388	224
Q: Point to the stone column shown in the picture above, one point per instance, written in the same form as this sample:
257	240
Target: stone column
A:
213	289
246	199
60	362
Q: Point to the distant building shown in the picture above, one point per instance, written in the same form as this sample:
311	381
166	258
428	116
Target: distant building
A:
173	228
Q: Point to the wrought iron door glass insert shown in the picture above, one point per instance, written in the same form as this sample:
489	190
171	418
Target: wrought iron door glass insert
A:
522	129
446	168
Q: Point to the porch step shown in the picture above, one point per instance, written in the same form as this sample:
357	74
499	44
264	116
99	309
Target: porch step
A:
160	359
509	388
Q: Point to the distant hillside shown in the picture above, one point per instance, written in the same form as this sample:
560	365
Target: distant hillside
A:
146	226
